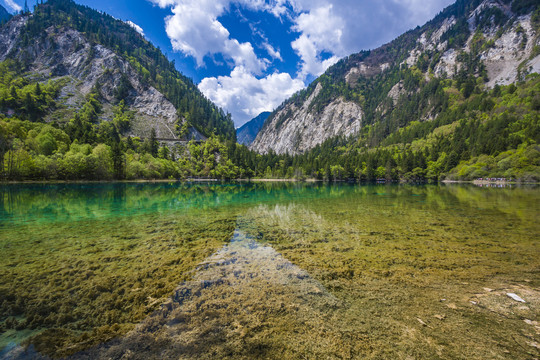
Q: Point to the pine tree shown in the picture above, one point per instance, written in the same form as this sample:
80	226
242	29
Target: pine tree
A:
118	158
154	145
38	90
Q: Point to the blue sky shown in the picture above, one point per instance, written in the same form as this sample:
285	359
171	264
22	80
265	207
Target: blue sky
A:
249	55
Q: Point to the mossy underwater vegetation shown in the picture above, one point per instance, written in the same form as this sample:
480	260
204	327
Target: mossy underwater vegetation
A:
269	270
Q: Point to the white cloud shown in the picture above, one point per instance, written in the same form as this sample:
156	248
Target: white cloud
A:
246	96
370	24
136	27
420	9
263	41
194	30
321	31
276	7
272	52
343	27
327	31
13	5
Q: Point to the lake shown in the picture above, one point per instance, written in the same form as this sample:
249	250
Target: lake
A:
269	270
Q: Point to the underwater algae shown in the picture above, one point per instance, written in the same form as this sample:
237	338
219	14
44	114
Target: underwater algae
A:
421	283
79	283
284	271
244	301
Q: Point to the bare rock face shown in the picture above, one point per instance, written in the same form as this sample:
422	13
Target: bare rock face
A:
430	42
64	53
364	70
508	60
508	52
512	54
9	35
295	129
396	91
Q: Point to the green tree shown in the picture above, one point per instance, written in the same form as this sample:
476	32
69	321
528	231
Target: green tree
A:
154	144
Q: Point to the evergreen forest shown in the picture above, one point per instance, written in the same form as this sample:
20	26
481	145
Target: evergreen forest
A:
439	128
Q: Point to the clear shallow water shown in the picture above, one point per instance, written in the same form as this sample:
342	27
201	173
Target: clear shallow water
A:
272	270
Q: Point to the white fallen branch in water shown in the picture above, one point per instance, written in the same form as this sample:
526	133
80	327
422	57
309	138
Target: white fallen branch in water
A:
515	297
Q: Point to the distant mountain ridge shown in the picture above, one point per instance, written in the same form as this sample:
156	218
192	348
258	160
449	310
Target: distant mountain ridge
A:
478	43
4	14
91	52
248	132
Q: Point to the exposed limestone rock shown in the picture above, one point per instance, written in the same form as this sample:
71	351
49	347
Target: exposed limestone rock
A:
9	35
509	56
502	61
448	65
432	43
66	53
505	8
305	128
507	51
511	53
364	70
446	25
396	91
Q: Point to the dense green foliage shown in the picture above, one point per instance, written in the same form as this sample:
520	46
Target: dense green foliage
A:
436	128
434	123
84	148
147	60
491	133
28	99
38	151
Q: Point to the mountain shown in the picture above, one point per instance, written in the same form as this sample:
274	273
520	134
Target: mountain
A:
247	132
88	58
470	47
4	15
77	87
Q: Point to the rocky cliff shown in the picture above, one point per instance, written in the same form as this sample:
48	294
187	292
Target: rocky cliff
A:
478	44
295	129
64	53
88	51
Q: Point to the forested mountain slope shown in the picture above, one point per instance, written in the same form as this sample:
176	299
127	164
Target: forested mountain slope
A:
71	96
470	47
87	58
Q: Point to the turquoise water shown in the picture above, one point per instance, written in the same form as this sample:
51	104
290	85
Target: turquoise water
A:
268	270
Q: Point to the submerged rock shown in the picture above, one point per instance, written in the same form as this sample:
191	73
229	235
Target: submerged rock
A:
515	297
